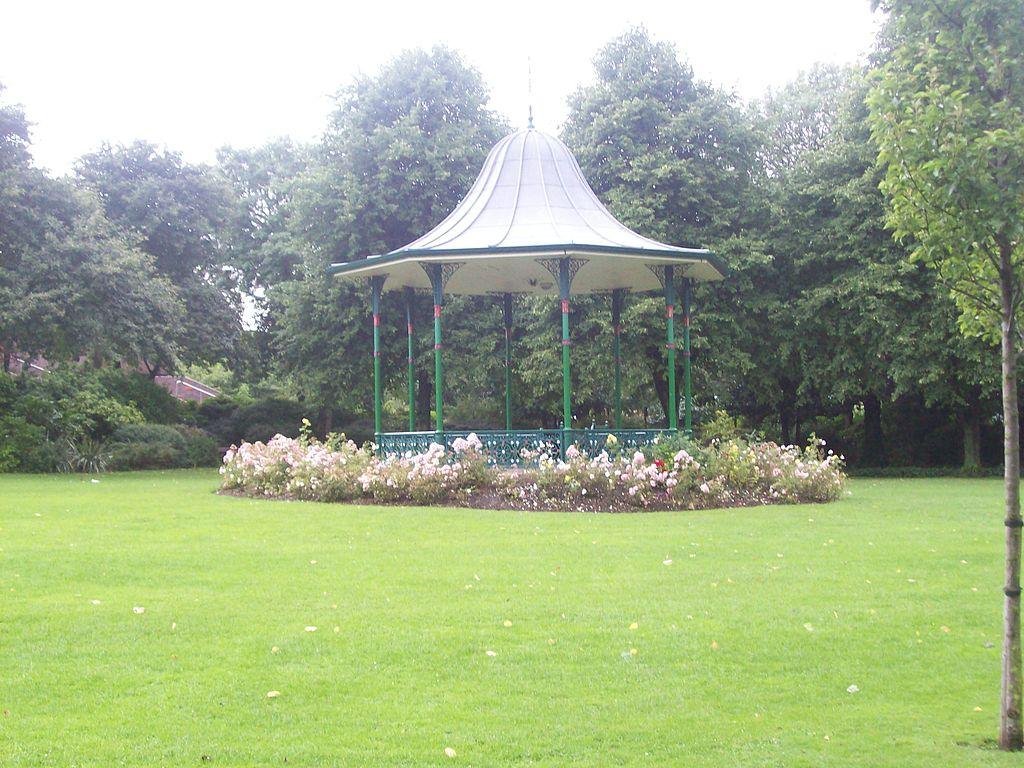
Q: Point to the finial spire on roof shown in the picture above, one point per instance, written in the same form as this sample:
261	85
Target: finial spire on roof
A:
529	90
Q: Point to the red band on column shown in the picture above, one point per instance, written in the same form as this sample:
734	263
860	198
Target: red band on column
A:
437	346
437	310
686	320
410	328
670	346
565	342
376	321
670	310
565	306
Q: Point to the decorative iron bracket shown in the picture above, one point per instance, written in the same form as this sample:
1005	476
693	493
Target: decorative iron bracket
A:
447	269
551	265
659	271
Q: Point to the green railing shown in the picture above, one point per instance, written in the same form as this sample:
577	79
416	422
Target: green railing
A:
505	447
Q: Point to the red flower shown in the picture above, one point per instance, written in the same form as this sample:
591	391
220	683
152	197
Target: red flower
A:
660	464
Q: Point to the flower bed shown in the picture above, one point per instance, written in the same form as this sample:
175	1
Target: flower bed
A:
670	474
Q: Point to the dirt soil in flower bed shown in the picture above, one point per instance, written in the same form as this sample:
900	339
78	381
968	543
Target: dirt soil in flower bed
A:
490	499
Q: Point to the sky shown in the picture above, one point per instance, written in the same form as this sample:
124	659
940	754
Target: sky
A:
195	76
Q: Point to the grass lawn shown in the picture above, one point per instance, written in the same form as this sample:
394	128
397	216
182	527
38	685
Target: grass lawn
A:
695	638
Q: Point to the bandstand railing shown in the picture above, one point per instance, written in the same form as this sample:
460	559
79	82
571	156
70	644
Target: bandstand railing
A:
505	447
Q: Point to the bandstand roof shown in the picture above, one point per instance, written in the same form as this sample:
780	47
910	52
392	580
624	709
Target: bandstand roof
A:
529	204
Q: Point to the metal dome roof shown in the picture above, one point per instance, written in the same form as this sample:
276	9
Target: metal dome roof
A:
531	200
531	191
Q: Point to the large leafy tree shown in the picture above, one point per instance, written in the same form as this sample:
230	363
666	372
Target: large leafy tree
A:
673	159
70	283
401	149
177	213
947	113
263	247
797	125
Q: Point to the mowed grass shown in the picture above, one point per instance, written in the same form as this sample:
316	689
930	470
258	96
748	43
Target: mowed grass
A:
750	626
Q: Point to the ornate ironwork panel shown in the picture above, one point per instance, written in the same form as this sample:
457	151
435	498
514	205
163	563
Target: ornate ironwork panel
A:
505	447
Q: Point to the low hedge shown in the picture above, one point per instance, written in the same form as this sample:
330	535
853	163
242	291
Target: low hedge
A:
923	472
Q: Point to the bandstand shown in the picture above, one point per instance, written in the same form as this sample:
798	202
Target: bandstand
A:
531	224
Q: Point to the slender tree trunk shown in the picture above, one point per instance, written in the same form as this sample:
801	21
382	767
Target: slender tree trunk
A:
970	427
873	445
325	421
1010	731
785	422
424	398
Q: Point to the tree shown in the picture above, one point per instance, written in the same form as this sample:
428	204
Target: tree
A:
263	246
70	283
178	214
947	112
673	159
401	149
799	127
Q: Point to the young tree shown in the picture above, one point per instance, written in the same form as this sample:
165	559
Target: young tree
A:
947	112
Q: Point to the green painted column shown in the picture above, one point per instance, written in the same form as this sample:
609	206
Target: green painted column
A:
564	280
437	284
507	315
376	287
670	346
617	296
412	369
687	383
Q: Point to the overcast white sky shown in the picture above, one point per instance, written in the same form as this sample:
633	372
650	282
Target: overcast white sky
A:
198	75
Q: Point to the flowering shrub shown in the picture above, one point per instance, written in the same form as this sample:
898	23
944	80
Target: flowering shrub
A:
338	470
671	474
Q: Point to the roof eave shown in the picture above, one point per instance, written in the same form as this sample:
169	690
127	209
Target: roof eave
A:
686	255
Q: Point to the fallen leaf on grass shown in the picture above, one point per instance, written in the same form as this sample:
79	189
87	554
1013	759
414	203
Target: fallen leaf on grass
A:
138	609
491	653
667	561
506	623
809	627
714	645
311	629
853	689
275	649
449	752
634	625
273	694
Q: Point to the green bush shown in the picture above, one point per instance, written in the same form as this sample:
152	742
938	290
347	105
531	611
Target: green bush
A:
200	449
87	455
266	418
230	423
25	448
70	404
148	446
155	403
